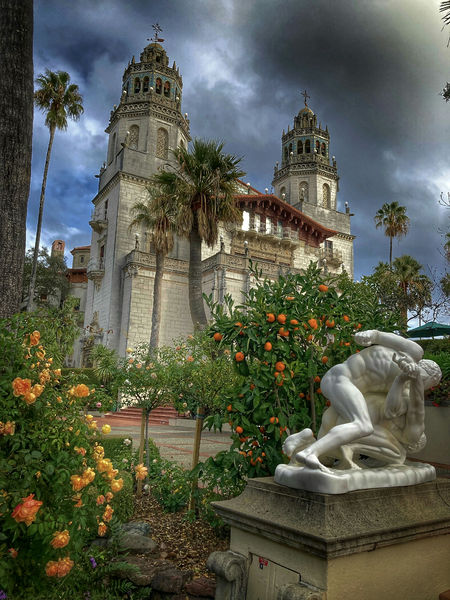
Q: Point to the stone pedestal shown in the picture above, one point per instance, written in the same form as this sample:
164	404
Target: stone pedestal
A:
289	544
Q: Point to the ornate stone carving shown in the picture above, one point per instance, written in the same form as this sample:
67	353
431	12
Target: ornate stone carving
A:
231	575
377	410
162	143
297	591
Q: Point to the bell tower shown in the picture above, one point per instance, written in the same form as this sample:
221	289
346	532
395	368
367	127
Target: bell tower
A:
145	125
309	181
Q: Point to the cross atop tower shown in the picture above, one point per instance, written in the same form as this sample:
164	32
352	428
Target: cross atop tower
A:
157	29
305	96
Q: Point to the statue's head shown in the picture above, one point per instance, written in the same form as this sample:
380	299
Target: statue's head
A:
431	373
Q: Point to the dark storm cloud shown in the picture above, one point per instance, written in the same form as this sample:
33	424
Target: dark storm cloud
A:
373	70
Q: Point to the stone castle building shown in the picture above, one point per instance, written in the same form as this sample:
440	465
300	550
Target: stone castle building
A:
282	232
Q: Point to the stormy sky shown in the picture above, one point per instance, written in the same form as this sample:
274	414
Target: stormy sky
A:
373	70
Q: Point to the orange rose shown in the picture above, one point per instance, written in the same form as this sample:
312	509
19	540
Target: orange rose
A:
88	475
60	539
13	552
26	512
37	390
116	485
21	386
44	376
60	568
109	496
29	398
107	515
109	475
104	465
100	500
81	391
78	483
102	529
141	472
34	338
7	428
81	451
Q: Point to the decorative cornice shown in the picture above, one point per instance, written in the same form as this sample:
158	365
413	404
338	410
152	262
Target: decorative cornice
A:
306	168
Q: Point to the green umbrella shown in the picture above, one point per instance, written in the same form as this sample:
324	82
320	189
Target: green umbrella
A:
430	329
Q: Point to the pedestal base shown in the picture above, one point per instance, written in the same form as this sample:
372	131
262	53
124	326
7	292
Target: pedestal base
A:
388	543
348	480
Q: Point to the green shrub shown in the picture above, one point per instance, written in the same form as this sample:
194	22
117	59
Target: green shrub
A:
443	360
435	346
123	503
118	450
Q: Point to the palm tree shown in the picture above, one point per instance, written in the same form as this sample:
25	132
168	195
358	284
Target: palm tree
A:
59	99
16	130
415	287
395	222
159	214
203	184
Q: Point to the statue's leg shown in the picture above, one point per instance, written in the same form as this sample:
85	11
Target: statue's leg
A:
350	404
298	441
383	446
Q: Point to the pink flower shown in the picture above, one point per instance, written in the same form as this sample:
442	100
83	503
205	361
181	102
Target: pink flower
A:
98	405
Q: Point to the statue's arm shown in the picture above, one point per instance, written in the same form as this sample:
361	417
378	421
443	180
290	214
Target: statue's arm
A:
390	340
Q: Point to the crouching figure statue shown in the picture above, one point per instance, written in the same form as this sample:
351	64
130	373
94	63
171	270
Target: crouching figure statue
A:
377	411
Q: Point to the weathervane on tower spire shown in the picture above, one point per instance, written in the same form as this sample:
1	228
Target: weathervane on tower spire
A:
155	39
305	95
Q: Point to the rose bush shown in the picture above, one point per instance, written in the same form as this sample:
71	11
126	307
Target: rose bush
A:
52	468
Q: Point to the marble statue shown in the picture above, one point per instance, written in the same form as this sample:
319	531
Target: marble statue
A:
377	411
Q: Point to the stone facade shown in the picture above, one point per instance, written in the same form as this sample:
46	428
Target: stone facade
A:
281	232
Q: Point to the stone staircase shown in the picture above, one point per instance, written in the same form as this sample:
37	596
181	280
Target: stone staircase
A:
132	416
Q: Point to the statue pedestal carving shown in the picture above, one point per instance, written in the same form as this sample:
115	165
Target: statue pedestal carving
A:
291	544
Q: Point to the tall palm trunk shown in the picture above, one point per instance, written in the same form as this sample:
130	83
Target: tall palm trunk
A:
39	223
196	305
16	129
390	252
157	289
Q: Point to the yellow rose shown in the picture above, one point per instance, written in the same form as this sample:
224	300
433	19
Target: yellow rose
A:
116	485
102	529
106	429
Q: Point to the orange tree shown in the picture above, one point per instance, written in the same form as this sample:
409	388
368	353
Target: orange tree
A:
283	339
57	488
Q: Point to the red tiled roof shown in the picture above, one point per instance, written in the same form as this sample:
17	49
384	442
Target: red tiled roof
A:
80	248
308	229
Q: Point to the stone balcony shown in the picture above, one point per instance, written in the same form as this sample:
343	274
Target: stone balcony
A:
332	256
98	221
96	269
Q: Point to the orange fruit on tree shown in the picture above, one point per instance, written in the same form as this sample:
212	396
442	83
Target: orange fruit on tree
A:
255	443
323	288
301	395
252	386
359	326
273	420
270	317
309	338
330	323
217	336
239	429
259	459
239	356
293	322
238	324
325	359
281	319
319	391
317	379
347	344
268	346
283	332
243	439
280	366
346	318
313	323
289	297
229	408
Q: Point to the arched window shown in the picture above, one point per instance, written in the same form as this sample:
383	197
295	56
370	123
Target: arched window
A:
133	140
326	200
146	84
303	191
317	146
167	89
158	85
162	143
127	87
283	192
323	149
137	85
290	149
112	148
308	147
299	147
182	144
285	153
